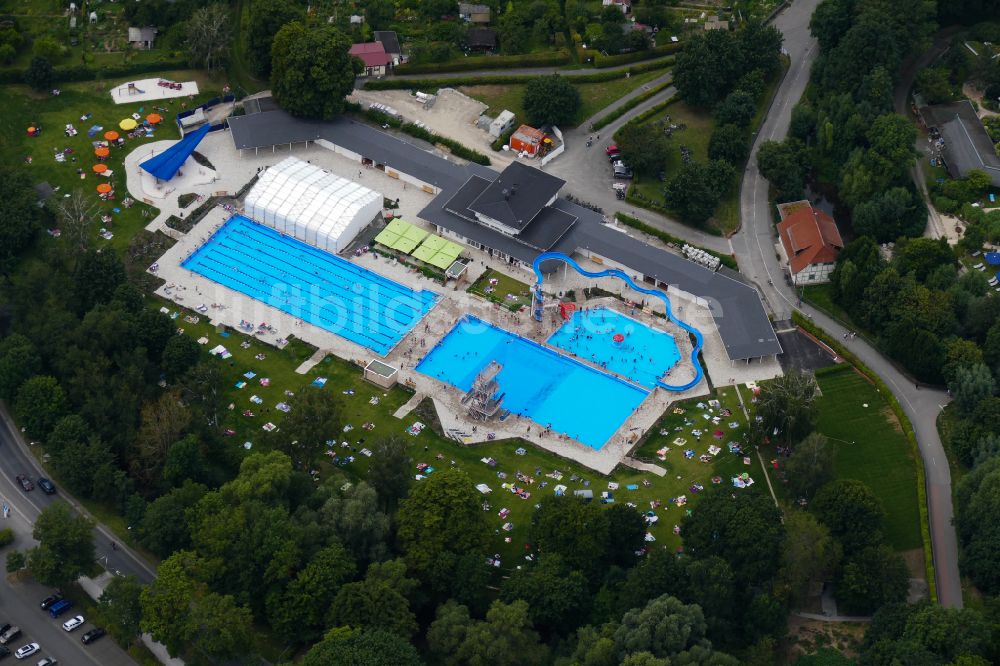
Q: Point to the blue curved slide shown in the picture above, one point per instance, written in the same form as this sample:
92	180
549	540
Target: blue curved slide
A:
621	275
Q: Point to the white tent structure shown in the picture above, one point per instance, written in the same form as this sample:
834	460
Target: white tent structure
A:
312	205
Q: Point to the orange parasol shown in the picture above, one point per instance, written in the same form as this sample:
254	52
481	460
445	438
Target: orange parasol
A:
111	135
100	168
102	152
104	188
154	118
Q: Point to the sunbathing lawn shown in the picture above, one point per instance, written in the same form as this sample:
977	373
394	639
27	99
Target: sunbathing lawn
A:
24	107
504	287
594	96
279	367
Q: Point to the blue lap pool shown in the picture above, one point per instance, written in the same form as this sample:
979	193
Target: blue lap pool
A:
643	354
538	383
311	284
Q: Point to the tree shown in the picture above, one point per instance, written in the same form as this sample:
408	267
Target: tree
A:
708	67
220	628
551	100
852	512
311	70
209	36
65	549
873	576
696	189
738	108
39	405
389	471
314	419
505	638
890	214
977	505
783	164
298	613
179	355
971	385
665	628
728	143
439	522
810	466
76	215
934	85
185	461
575	531
760	47
921	256
96	278
20	216
85	466
266	18
39	74
787	408
163	423
377	602
120	609
744	530
380	13
18	362
642	149
362	648
355	518
557	597
626	535
809	554
164	527
448	630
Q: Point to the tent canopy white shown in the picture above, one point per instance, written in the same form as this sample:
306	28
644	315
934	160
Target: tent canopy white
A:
312	205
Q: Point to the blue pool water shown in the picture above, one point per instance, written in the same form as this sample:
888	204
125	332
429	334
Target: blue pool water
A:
644	356
310	284
538	383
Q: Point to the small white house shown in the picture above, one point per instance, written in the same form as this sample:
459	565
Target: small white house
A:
502	124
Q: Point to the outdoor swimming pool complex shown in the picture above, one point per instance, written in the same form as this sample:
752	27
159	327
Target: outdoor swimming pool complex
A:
643	354
538	383
311	284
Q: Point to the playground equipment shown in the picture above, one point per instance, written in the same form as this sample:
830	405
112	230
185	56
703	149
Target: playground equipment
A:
538	303
483	399
135	90
567	310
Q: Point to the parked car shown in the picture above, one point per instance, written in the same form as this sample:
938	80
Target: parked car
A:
612	148
9	635
26	650
92	635
51	599
4	628
60	607
47	661
73	623
25	481
619	170
47	486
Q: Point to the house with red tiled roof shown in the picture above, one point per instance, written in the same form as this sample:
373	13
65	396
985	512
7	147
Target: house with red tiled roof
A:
376	61
810	242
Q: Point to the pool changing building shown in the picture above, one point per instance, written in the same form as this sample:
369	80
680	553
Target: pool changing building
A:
312	205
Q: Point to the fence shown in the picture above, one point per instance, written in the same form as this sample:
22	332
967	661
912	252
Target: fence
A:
558	151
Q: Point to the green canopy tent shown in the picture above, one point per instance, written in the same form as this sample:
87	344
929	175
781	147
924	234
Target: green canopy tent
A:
400	235
438	252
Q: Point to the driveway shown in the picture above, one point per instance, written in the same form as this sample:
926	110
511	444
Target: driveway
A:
754	246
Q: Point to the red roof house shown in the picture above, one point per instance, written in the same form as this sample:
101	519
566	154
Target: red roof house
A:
811	242
374	57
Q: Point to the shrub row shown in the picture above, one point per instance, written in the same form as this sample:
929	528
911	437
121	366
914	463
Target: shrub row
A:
505	79
413	130
904	423
85	73
601	60
611	117
629	221
551	58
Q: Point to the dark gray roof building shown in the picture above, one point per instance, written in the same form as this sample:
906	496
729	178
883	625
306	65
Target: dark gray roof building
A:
389	40
531	221
967	146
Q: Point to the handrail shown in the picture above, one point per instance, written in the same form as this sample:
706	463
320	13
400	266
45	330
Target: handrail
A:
614	272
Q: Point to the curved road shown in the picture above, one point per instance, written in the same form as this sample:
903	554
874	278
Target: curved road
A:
754	247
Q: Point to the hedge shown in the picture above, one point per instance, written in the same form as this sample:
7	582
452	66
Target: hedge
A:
609	118
601	60
414	130
904	423
629	221
508	79
85	73
560	57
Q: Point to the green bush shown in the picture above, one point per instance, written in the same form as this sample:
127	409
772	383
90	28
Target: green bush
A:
560	57
84	73
611	117
601	60
16	560
6	537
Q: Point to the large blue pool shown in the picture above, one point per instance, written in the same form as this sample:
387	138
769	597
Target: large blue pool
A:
537	382
310	284
644	355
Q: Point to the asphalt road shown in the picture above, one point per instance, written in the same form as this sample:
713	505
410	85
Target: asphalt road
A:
754	247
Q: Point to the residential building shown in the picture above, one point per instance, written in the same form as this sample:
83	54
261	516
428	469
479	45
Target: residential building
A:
376	61
390	42
471	13
142	38
481	39
810	242
964	143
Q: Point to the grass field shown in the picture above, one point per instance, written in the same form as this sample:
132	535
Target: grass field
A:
593	96
505	287
871	448
24	107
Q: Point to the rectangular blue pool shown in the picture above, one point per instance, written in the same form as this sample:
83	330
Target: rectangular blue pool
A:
311	284
643	355
550	389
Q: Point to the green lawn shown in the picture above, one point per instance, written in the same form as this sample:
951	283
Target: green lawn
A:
24	107
593	96
871	448
507	291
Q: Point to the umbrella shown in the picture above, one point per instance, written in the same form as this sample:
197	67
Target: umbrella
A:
154	118
104	188
618	337
102	151
111	135
100	168
127	124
